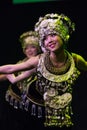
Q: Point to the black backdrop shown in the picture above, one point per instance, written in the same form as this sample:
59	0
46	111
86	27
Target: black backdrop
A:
14	20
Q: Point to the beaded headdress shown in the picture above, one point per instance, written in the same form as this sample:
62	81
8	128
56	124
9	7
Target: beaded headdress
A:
29	38
54	24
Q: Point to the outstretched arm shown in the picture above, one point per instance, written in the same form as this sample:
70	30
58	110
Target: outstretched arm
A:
29	64
81	63
14	79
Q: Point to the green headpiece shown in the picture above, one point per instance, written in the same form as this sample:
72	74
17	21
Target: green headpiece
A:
29	38
54	24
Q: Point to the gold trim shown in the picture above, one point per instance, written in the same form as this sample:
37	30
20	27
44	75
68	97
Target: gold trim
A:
11	93
52	77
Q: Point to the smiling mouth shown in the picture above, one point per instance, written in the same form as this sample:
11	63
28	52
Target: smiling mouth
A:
52	45
30	53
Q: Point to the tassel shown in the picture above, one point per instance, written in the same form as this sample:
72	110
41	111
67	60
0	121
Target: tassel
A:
26	105
23	96
11	101
33	110
7	97
16	104
21	105
39	112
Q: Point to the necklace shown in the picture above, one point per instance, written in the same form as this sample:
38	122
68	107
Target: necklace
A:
57	77
57	70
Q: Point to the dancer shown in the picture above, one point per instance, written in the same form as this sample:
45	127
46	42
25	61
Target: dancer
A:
57	69
16	93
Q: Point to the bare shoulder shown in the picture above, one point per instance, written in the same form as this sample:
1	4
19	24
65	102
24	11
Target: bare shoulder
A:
33	61
80	62
77	57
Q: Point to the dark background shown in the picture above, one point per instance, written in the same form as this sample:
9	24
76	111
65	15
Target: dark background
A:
18	18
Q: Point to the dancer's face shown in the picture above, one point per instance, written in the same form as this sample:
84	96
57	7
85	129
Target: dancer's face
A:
31	50
53	42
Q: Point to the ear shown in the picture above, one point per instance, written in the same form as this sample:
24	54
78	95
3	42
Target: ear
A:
43	49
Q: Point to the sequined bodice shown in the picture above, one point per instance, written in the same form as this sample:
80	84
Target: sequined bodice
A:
61	82
57	92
